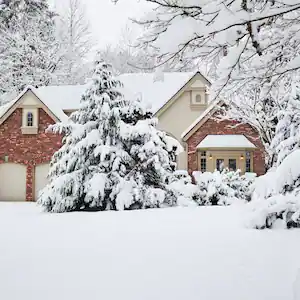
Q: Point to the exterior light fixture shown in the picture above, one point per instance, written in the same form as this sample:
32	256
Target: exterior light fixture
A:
210	156
242	157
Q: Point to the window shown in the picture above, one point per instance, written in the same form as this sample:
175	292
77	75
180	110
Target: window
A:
29	121
220	164
232	164
248	162
198	98
203	161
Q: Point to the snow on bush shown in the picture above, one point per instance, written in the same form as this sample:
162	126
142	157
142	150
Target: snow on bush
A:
276	195
181	187
223	188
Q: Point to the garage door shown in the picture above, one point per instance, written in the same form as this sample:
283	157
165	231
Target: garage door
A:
41	173
12	182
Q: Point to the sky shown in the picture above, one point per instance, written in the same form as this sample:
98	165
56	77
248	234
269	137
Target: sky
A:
108	20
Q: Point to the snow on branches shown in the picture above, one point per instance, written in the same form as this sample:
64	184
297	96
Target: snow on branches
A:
250	35
113	157
253	48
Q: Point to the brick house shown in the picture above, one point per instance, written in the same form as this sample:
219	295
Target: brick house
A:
180	102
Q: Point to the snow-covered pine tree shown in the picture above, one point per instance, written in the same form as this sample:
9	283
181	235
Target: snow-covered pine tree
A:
113	157
89	148
152	160
287	136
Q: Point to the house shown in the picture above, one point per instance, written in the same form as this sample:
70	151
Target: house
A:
180	101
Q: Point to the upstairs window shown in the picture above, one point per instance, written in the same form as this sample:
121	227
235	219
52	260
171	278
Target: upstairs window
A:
29	120
198	98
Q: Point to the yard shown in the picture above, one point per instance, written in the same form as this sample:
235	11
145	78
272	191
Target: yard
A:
202	253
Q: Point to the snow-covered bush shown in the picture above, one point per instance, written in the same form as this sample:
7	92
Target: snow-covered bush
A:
222	188
182	189
277	195
242	185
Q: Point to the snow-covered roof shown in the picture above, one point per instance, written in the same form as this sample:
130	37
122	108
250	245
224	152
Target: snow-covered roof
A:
136	85
151	92
225	141
66	97
55	109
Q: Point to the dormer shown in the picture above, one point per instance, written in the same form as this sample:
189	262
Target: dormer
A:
198	95
30	113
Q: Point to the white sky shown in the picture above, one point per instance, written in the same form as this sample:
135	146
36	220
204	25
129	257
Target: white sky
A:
107	19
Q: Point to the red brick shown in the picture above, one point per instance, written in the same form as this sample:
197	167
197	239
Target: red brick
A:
29	150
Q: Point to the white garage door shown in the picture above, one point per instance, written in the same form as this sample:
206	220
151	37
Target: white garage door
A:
12	182
41	173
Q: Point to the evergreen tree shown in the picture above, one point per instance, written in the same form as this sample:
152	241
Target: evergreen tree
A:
152	160
86	149
287	136
113	157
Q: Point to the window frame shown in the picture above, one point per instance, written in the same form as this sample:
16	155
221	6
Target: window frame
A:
248	162
203	161
29	119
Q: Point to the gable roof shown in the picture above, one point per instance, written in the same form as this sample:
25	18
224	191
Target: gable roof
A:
7	109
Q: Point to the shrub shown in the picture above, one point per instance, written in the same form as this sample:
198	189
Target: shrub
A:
223	188
180	187
276	196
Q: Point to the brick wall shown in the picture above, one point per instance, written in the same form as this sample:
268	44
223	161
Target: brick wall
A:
214	127
29	150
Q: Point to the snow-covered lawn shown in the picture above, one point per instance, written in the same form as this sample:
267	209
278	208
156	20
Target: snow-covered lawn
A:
200	253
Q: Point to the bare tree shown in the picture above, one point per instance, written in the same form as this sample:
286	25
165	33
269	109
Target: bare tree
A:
76	38
127	57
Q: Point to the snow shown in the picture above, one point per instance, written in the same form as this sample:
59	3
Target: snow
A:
176	253
172	142
136	85
225	141
4	108
52	106
276	194
154	93
64	96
